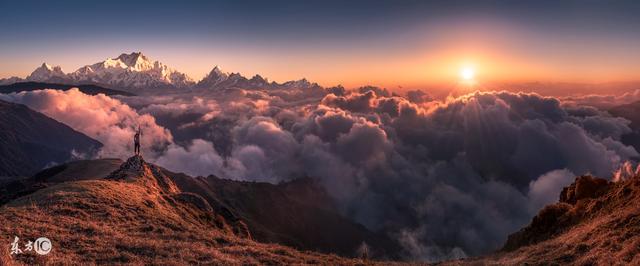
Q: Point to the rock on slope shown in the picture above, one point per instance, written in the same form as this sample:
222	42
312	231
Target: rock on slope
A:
137	215
596	222
29	141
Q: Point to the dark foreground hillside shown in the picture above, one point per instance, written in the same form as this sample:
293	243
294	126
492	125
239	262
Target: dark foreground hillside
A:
137	214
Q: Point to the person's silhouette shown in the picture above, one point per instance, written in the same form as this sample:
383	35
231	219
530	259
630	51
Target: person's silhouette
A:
136	141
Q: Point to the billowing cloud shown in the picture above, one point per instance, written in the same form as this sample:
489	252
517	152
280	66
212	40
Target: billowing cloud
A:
99	116
546	189
603	101
454	176
446	179
197	159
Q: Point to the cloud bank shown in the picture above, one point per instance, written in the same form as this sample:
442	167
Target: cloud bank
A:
447	179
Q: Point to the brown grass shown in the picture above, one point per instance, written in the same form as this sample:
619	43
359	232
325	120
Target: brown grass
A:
607	232
109	222
5	258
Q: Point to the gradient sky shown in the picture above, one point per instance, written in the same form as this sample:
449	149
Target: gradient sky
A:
385	43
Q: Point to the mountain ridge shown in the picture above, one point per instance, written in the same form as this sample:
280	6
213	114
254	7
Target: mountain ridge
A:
136	71
84	88
132	218
258	211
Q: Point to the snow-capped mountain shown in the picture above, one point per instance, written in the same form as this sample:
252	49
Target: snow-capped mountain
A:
302	84
48	73
133	70
219	79
213	79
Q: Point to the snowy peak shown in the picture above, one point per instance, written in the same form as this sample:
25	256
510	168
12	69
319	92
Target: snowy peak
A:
214	78
46	72
216	71
302	83
136	61
134	70
132	58
45	66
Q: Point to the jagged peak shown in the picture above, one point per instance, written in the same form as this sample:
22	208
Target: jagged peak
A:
49	68
133	59
236	75
217	72
216	69
46	66
46	72
257	77
132	70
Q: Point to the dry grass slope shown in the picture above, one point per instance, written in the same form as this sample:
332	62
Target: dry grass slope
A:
596	223
124	222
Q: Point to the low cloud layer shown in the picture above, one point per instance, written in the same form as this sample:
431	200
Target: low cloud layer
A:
446	179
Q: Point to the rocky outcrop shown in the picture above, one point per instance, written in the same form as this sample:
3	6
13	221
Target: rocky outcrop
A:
584	187
596	222
556	218
135	169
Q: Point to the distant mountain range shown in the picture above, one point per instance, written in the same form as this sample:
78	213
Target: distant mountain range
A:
30	141
87	89
135	71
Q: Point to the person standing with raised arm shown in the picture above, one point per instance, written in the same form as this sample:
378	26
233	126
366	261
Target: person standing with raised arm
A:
136	141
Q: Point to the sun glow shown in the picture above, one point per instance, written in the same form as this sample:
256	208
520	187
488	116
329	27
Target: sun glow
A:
467	73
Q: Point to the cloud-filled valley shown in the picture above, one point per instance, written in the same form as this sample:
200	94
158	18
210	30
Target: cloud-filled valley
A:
445	178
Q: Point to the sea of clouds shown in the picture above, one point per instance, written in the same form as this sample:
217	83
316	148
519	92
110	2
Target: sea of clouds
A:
445	178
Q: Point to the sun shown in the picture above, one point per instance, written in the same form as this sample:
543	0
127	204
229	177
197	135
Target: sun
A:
467	73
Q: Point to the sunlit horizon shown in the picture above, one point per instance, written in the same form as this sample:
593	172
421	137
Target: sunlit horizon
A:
419	45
